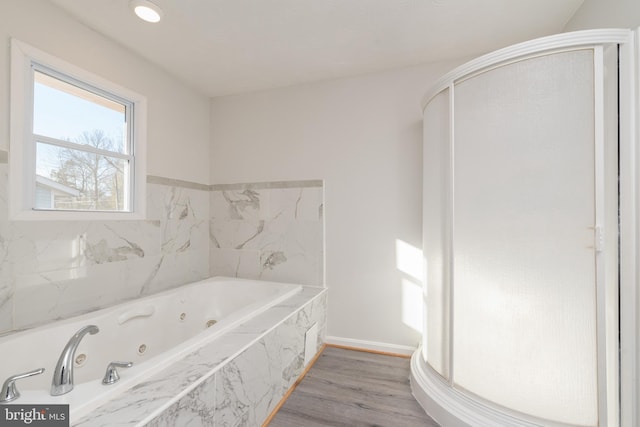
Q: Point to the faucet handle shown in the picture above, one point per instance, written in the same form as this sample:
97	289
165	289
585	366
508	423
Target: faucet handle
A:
111	375
9	390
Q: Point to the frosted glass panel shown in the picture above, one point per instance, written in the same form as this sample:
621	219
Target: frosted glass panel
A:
435	249
524	272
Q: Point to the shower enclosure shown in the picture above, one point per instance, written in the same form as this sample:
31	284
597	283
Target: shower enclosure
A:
529	237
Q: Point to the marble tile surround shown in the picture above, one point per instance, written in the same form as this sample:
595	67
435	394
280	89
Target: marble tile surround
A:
271	232
51	270
57	269
235	380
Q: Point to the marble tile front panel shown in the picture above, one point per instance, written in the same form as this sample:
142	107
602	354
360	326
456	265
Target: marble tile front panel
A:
249	386
235	380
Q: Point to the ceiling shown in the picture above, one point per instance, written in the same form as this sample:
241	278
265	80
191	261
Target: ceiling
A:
223	47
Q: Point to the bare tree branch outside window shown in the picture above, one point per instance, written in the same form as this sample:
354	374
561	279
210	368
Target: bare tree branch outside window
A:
97	177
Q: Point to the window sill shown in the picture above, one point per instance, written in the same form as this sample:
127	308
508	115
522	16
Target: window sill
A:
43	215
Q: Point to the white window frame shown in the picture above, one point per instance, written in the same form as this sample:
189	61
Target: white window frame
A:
22	144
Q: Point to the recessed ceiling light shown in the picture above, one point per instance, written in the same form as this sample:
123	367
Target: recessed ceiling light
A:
146	10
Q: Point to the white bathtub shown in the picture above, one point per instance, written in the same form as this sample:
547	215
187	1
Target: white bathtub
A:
167	326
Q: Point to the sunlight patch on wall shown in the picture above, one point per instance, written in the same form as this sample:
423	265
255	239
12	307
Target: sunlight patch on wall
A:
412	305
409	259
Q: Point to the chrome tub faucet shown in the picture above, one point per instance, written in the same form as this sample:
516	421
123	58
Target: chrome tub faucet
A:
63	373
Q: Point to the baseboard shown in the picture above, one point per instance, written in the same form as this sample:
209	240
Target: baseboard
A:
373	346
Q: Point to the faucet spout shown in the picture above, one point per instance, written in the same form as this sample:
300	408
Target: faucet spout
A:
63	373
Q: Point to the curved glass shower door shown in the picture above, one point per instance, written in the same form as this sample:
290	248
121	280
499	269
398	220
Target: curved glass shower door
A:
524	259
520	211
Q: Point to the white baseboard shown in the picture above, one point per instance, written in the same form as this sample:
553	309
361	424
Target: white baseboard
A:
371	345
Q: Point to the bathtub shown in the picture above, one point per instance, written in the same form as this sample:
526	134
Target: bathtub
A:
152	332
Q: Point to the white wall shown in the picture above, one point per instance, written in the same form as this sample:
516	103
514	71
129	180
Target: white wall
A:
178	127
37	269
605	14
363	136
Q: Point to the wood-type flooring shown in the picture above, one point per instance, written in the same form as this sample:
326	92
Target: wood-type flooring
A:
353	388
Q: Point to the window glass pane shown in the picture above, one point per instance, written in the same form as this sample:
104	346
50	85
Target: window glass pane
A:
67	112
69	179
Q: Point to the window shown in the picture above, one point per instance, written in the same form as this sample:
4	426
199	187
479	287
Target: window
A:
77	142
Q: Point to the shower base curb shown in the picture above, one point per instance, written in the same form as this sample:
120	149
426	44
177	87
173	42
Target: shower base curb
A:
452	408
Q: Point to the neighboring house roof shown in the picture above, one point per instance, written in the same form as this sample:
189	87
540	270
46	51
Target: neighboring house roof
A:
56	186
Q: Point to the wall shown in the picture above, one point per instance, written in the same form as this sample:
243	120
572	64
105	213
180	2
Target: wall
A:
51	270
268	231
178	133
605	14
363	137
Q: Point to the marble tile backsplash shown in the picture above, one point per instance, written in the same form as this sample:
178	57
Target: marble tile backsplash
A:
268	231
57	269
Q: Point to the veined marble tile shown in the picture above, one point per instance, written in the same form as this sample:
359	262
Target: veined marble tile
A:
6	267
268	185
284	225
234	400
42	297
286	347
252	384
193	410
295	255
185	224
64	293
139	274
167	202
200	204
176	269
296	203
35	246
258	234
237	234
290	251
155	201
116	241
43	246
179	235
241	204
170	202
66	267
6	304
235	263
318	313
4	208
199	240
